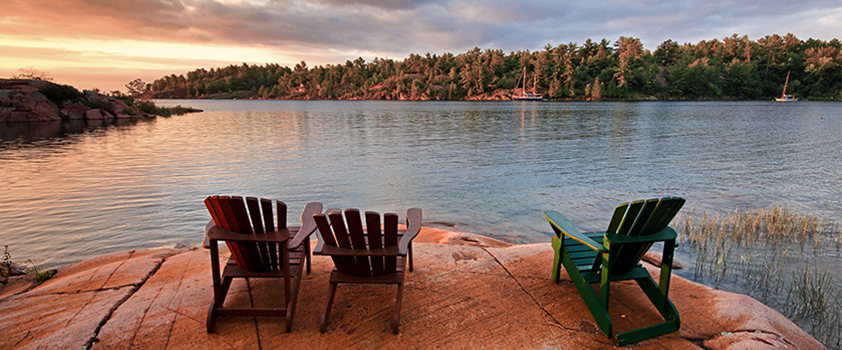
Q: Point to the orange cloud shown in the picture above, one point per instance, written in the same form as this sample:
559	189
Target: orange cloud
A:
144	38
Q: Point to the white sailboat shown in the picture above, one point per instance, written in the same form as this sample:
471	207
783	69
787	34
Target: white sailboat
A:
784	97
525	95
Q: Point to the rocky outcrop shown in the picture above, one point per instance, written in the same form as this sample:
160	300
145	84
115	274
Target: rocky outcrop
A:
41	101
466	292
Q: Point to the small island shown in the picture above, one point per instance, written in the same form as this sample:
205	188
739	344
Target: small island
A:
34	100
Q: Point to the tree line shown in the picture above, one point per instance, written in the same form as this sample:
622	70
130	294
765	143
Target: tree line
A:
732	68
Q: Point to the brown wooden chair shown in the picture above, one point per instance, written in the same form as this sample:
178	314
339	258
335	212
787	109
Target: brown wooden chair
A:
375	254
258	249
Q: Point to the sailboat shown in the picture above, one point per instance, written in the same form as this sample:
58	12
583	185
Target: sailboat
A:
527	96
784	97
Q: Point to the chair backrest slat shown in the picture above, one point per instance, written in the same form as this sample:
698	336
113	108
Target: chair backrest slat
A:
256	214
326	234
269	226
282	214
357	237
355	231
666	210
340	232
617	218
337	222
248	216
643	218
644	215
629	217
241	216
375	240
214	205
390	238
227	214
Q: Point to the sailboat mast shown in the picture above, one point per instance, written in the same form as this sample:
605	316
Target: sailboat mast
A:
785	84
535	83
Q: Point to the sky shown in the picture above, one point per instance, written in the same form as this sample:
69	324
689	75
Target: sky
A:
106	43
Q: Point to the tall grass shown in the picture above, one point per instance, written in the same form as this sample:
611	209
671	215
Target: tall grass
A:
773	255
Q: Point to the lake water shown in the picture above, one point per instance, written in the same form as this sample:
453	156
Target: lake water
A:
75	191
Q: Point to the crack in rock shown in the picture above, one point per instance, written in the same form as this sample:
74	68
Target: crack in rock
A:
135	287
535	300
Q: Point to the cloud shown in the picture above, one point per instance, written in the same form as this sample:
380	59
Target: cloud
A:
405	25
330	31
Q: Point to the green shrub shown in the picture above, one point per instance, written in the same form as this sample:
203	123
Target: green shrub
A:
35	269
126	98
6	266
146	107
59	93
104	105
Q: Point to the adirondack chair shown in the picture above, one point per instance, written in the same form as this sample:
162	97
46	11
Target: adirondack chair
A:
631	232
258	249
374	254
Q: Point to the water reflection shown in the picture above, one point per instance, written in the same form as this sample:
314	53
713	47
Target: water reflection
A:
36	133
490	168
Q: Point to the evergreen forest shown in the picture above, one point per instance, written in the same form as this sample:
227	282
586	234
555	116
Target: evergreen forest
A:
734	68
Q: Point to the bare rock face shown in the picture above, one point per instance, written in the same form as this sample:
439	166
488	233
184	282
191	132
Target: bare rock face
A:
32	106
118	106
74	111
37	101
95	114
466	292
48	110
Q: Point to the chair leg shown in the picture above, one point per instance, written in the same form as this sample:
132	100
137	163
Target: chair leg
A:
219	293
211	318
557	260
410	256
306	254
328	305
396	319
296	285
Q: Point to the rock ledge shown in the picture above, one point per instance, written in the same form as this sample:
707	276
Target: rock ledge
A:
467	292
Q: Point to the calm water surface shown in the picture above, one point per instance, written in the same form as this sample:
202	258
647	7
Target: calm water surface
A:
75	191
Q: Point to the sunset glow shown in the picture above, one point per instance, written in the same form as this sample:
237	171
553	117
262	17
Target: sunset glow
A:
89	44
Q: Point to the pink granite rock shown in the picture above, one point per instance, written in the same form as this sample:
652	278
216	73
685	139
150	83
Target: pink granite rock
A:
470	295
67	310
74	111
94	114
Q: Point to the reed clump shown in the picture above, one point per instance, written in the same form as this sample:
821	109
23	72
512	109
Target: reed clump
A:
776	255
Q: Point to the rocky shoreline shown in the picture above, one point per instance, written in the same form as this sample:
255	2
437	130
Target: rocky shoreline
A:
467	292
23	100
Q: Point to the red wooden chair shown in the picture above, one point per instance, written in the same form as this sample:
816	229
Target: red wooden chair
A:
374	254
258	249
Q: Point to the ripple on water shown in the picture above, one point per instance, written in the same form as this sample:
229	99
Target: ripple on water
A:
74	192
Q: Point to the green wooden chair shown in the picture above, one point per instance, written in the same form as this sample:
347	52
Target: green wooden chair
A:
633	229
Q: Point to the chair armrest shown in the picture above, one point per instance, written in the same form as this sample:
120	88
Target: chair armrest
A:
413	227
667	234
206	240
563	226
308	226
337	251
216	233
